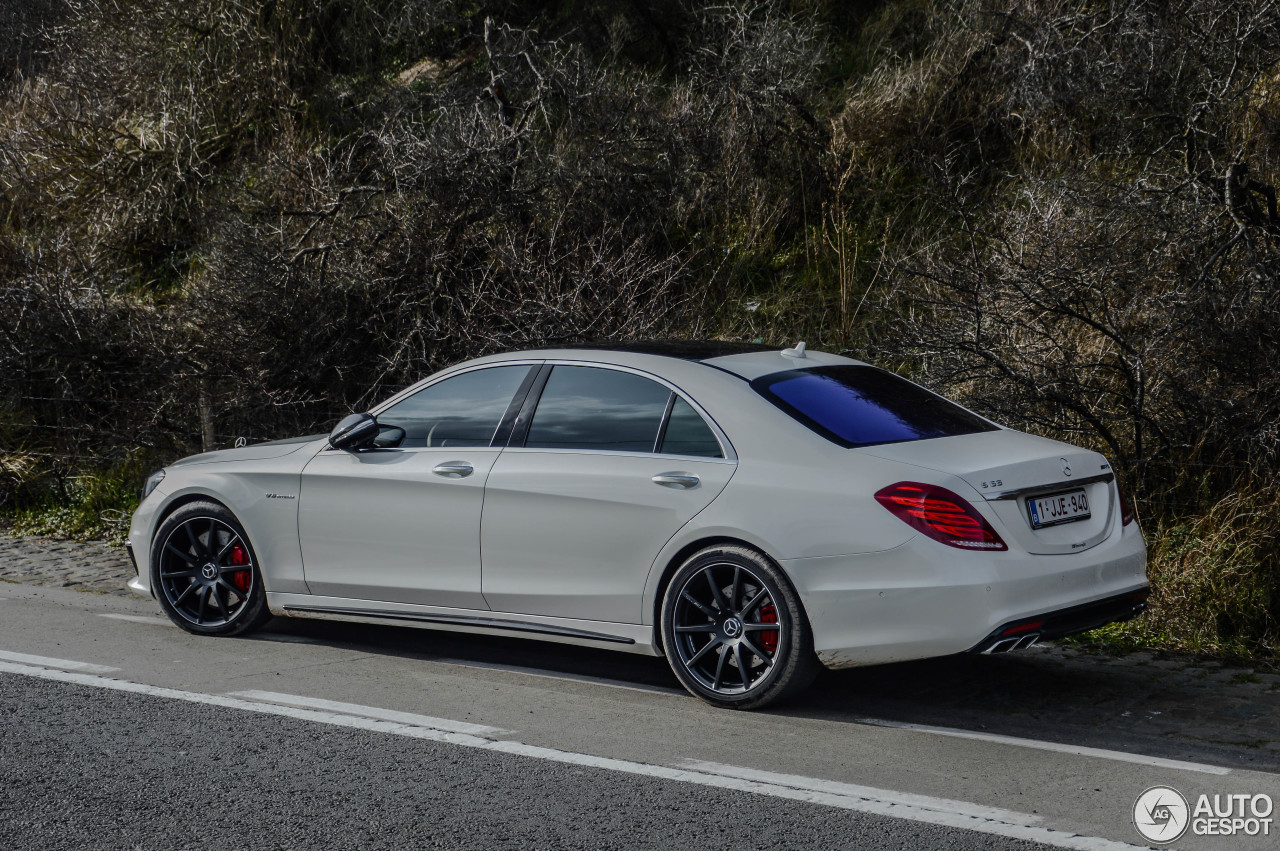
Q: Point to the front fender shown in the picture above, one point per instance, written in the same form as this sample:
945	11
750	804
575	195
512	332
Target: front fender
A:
265	502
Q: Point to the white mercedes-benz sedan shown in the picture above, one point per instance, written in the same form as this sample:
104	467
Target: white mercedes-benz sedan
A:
749	513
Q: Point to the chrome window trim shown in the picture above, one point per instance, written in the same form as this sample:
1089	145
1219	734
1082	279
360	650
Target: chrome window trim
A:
619	452
431	381
438	377
726	446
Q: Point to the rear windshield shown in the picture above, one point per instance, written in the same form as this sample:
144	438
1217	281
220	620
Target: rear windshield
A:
863	406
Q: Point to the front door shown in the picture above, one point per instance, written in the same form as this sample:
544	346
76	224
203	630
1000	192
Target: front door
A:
400	522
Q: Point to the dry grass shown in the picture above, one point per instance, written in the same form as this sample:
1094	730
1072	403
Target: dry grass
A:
1215	581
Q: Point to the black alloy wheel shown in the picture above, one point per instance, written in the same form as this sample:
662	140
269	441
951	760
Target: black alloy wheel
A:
205	574
734	631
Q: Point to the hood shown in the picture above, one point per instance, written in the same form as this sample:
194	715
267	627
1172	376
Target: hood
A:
254	452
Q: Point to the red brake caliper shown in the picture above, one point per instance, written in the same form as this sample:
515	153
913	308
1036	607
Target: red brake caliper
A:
769	637
241	578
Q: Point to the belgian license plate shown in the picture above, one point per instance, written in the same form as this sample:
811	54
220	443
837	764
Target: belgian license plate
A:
1056	508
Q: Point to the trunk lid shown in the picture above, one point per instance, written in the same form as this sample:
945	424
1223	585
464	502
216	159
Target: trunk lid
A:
1011	468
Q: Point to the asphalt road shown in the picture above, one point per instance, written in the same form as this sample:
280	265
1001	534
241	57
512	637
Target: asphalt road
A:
193	776
117	730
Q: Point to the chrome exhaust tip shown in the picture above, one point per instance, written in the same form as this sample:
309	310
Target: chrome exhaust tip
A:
1017	642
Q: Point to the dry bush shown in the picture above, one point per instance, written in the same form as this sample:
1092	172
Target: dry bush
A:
1215	579
1076	316
1097	186
221	218
1082	242
235	220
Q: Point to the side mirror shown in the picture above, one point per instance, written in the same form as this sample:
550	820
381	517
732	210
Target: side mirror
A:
389	437
354	432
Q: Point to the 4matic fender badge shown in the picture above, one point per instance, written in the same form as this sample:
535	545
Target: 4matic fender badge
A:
282	496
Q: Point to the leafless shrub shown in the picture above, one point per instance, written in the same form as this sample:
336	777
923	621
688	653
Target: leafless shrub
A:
1118	281
1079	237
236	220
221	218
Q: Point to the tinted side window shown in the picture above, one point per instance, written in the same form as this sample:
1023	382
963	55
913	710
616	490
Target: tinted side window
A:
688	434
461	411
587	408
863	405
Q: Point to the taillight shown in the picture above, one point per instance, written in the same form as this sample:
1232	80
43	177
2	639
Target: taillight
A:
1126	507
940	514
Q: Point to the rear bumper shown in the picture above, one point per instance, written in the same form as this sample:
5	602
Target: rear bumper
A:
923	599
1024	632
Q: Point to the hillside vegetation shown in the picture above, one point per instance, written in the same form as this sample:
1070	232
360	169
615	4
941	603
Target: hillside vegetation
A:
224	218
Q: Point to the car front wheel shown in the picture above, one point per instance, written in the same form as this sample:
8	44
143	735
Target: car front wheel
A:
205	574
734	631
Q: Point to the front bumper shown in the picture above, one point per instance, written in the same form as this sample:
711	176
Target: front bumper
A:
136	585
138	546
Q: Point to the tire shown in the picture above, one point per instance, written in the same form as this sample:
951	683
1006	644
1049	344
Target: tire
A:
729	610
207	590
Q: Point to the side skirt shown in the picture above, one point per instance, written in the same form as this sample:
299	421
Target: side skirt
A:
633	638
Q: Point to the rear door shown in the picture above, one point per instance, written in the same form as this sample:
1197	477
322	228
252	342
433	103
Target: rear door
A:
607	467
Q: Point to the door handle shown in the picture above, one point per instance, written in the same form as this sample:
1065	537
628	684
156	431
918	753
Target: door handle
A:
453	469
677	480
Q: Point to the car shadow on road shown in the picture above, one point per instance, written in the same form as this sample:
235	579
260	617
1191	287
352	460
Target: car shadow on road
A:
1132	704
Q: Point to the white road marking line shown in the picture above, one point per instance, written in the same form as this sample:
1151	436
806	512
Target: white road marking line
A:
577	678
866	792
938	815
147	619
1057	747
371	712
339	720
48	662
996	738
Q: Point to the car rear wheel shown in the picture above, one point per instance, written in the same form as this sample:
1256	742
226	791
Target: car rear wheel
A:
734	631
205	574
